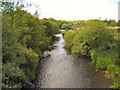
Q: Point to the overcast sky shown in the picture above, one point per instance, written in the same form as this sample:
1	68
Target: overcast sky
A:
76	9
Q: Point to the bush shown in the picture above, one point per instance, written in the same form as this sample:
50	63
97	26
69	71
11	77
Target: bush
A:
68	37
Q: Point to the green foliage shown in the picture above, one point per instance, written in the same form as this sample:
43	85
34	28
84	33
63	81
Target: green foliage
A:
115	70
118	24
66	26
24	39
11	75
72	25
101	44
95	34
111	23
103	57
51	26
69	38
77	45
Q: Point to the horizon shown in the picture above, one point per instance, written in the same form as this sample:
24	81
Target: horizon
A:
75	9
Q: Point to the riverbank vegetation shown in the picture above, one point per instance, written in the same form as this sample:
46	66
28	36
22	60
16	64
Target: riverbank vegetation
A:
98	42
24	39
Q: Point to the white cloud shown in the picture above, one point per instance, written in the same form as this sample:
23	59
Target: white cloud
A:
77	9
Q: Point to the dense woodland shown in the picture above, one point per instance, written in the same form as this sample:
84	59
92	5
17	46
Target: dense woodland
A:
25	37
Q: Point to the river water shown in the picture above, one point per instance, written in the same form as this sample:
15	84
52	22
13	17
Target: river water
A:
61	70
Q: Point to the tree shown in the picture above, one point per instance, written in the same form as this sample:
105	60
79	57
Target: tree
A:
113	23
66	26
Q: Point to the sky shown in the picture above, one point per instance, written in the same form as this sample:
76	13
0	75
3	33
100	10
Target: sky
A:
75	9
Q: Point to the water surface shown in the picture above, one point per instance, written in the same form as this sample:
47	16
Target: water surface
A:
60	70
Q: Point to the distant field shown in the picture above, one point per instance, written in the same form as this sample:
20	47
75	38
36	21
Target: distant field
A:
107	27
114	27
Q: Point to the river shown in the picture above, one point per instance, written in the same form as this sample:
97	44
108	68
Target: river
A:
61	70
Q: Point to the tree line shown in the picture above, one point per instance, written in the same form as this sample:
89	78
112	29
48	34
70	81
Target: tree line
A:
67	24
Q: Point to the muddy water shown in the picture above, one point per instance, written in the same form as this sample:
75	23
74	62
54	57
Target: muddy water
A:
60	70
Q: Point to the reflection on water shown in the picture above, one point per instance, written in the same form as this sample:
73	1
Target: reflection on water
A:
60	44
67	71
